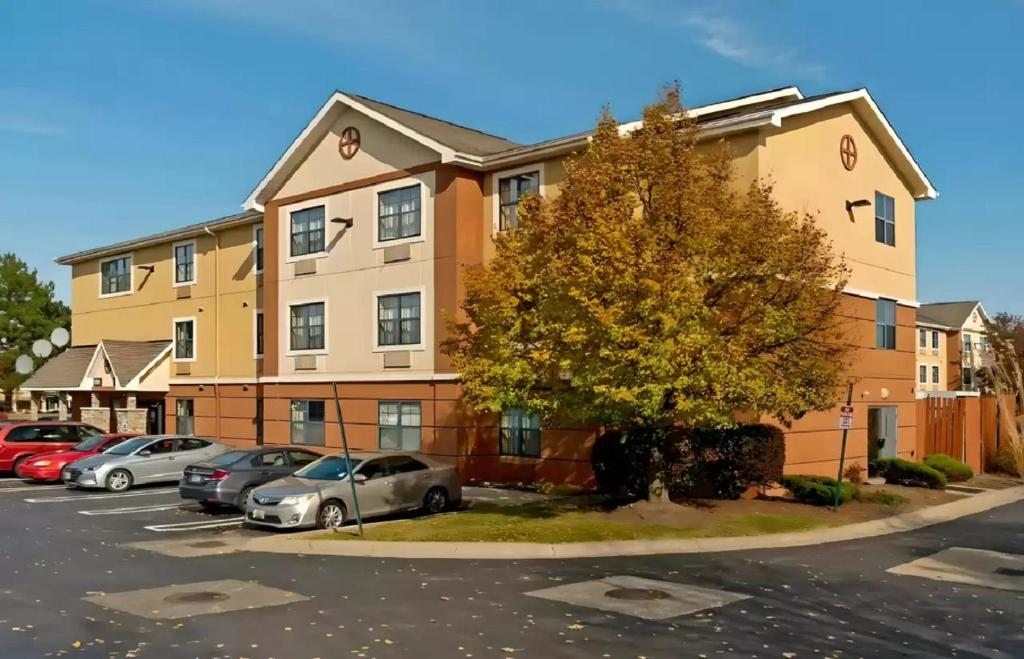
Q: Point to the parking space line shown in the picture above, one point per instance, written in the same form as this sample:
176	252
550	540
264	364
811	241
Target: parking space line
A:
32	488
195	526
100	497
129	510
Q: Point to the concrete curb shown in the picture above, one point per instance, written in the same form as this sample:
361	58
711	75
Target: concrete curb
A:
301	544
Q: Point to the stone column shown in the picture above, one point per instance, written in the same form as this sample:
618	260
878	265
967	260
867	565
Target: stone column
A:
94	400
33	406
63	406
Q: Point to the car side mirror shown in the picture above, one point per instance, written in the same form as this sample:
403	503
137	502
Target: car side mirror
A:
359	478
145	452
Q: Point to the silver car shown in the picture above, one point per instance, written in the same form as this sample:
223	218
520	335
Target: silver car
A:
148	459
320	495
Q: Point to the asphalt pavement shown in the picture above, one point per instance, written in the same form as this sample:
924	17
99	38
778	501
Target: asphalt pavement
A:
64	572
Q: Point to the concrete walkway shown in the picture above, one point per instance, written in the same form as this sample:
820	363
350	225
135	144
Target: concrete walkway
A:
302	544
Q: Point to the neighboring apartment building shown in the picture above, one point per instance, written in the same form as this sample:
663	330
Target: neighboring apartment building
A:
966	346
369	218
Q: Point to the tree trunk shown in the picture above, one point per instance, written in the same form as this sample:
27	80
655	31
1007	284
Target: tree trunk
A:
657	482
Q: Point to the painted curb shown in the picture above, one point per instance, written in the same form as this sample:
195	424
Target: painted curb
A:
300	544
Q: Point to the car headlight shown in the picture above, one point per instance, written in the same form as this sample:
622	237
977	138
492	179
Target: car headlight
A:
40	463
296	499
90	469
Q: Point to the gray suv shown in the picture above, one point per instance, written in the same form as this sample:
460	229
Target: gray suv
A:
229	478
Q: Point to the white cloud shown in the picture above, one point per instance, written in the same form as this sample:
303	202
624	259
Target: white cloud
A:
722	35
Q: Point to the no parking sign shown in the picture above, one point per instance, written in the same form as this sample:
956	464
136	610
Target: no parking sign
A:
846	417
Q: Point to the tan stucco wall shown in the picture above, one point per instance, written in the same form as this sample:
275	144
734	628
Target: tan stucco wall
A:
147	313
351	272
802	160
382	150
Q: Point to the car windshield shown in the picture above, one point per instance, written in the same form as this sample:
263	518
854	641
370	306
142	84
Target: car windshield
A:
330	468
90	444
129	447
228	458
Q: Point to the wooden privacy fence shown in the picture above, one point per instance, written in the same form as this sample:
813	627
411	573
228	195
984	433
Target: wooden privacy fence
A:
964	427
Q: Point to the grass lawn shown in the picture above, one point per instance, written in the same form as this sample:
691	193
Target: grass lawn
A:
548	524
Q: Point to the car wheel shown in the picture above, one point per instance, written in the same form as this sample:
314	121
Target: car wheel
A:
119	480
436	500
17	465
331	515
243	497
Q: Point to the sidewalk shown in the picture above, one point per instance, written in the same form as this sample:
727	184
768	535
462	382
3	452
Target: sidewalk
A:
301	544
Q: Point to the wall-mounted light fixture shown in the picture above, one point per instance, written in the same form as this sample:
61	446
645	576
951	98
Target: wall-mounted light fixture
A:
857	203
148	268
347	221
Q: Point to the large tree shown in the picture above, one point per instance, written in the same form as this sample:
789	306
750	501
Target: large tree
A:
654	291
28	311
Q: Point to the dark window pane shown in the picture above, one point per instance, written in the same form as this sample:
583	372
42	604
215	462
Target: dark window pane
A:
307	231
398	214
398	319
307	326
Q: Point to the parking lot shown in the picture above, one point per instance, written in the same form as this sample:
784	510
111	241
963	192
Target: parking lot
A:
77	581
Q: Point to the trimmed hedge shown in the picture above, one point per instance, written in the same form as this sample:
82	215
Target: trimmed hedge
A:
818	490
912	474
954	470
713	463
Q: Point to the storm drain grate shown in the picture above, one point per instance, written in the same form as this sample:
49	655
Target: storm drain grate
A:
196	597
638	594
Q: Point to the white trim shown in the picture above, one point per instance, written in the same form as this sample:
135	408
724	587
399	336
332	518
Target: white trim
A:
174	339
174	263
506	173
255	247
298	208
408	182
871	295
416	347
790	93
317	126
286	333
255	332
131	274
87	375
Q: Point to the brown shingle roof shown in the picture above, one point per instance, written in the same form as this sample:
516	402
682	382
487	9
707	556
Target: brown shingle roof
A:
950	314
63	371
128	358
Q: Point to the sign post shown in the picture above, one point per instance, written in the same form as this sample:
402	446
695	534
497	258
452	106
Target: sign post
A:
348	459
845	423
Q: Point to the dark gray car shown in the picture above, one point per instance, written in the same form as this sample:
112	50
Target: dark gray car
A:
228	478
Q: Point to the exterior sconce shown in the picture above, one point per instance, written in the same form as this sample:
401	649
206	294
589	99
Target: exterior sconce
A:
857	203
347	221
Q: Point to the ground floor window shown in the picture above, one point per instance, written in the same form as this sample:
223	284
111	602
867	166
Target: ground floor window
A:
519	433
184	416
398	425
307	422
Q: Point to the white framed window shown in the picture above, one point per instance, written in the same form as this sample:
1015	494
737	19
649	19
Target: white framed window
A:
307	327
117	276
398	425
885	219
922	374
519	433
185	263
308	232
399	320
184	333
515	183
400	212
935	374
257	248
257	334
922	338
935	340
307	422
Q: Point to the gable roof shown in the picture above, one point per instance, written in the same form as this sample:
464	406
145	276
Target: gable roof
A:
950	314
65	371
478	150
128	359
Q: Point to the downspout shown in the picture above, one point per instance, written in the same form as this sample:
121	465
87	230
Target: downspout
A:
216	325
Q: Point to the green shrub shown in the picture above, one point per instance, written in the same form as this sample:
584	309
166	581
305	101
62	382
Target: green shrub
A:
717	463
912	474
882	498
954	470
818	490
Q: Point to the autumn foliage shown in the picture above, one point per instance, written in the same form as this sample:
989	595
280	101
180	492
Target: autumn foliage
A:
653	290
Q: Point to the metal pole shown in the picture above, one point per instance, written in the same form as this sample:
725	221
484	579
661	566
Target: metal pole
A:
842	455
348	458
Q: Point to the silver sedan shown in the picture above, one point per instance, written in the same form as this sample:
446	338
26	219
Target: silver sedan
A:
320	495
148	459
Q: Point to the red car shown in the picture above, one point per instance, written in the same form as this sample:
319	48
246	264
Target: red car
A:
47	467
20	440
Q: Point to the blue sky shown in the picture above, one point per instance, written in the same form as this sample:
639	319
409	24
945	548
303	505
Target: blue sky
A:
120	118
